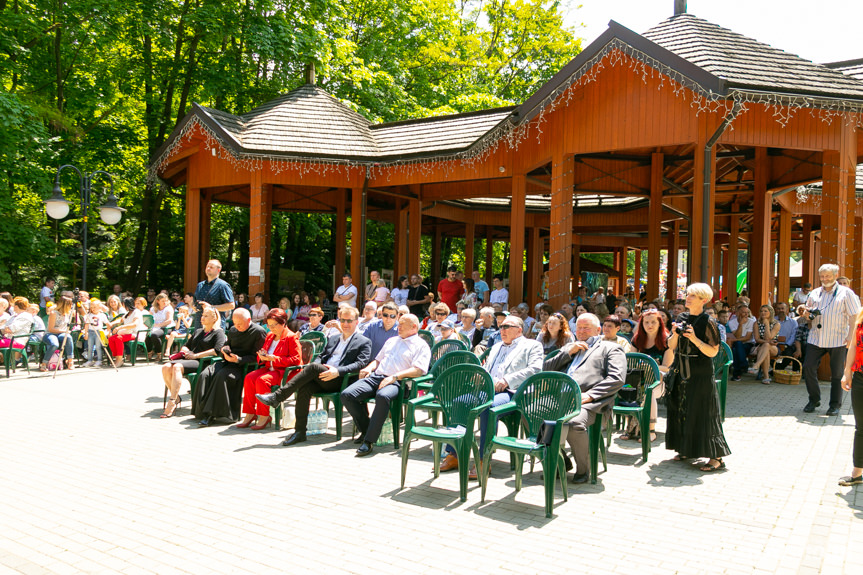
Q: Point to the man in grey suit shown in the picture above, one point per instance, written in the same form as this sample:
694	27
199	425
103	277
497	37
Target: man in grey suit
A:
510	361
599	368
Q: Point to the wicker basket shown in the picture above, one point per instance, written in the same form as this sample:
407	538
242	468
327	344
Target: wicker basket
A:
787	376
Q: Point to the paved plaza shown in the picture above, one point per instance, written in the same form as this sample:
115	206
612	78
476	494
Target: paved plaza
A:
92	481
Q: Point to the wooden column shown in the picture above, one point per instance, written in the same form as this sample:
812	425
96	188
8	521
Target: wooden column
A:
560	247
516	239
489	256
341	236
621	272
837	195
576	265
191	260
358	240
400	247
808	251
534	267
204	249
673	256
654	226
783	273
760	263
855	274
469	240
414	236
260	229
636	275
716	266
731	259
699	234
434	274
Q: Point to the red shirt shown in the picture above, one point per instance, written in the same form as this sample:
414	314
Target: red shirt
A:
450	292
858	349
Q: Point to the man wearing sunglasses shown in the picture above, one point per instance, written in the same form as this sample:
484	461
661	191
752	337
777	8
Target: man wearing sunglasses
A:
380	330
344	353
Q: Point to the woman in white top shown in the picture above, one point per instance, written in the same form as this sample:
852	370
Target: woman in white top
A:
133	322
259	310
59	318
19	325
400	292
163	320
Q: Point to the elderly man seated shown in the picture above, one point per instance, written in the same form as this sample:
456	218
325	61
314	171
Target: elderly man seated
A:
599	368
345	352
219	391
485	327
511	361
405	356
370	312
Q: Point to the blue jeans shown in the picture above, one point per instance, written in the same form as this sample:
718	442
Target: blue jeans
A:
52	343
93	341
501	398
739	353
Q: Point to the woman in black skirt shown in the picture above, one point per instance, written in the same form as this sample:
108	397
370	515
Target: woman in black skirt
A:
205	342
694	423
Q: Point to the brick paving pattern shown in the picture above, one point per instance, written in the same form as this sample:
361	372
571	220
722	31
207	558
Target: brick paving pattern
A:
94	482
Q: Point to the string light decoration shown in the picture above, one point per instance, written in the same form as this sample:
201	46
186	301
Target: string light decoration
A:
509	135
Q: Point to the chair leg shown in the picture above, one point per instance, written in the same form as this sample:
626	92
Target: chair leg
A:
436	456
463	450
337	412
405	452
519	465
549	475
561	471
484	469
395	417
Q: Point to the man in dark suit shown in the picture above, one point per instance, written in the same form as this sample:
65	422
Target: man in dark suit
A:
347	352
599	368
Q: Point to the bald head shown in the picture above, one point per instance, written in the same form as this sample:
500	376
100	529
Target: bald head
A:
242	319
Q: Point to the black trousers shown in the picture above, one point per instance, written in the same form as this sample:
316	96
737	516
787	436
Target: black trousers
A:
304	385
837	367
857	408
154	339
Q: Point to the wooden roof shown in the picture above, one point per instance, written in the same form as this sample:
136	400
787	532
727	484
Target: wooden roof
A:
853	68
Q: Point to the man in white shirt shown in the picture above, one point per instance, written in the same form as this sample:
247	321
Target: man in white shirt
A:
831	311
402	357
800	296
741	339
344	353
46	295
499	294
370	311
347	292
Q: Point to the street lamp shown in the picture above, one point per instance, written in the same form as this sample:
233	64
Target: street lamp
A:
58	208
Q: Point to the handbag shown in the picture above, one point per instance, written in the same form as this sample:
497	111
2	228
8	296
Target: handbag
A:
176	356
670	378
546	432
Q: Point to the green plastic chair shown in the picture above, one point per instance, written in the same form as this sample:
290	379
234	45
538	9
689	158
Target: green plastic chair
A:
551	354
193	378
464	339
426	382
139	340
543	396
650	380
36	349
484	355
10	350
308	353
441	348
427	336
336	398
462	392
318	338
721	364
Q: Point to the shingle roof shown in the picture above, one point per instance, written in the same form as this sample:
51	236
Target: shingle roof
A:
853	68
746	63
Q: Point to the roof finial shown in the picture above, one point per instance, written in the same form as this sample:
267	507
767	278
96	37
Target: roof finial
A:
679	7
309	74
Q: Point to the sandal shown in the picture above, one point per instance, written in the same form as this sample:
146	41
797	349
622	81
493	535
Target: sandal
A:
172	405
679	457
849	481
707	467
766	381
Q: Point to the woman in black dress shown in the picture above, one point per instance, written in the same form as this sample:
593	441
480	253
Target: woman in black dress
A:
694	424
205	342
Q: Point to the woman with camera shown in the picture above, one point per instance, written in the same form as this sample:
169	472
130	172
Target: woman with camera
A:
694	423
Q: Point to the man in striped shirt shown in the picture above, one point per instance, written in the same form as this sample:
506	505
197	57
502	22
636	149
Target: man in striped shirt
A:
830	330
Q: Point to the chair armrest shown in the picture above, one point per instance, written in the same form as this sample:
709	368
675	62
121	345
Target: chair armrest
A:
419	379
482	407
504	409
346	379
566	418
421	400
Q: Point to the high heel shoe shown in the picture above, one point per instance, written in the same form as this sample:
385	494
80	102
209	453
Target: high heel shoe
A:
176	403
262	425
245	424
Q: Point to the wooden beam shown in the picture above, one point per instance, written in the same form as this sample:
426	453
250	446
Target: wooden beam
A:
576	266
516	240
414	236
191	261
341	235
489	255
534	267
560	250
730	280
783	273
838	195
673	256
808	249
469	233
760	267
358	233
654	226
400	248
260	225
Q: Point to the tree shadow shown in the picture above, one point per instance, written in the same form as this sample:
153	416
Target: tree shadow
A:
670	473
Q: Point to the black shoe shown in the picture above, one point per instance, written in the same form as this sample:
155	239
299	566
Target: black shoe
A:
204	422
578	479
359	438
566	460
849	481
295	438
833	411
270	399
810	407
365	449
735	378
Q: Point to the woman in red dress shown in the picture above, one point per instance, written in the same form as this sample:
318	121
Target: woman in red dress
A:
281	350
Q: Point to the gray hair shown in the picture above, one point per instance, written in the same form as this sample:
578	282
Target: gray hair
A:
518	321
411	318
370	305
469	311
403	309
522	307
242	312
588	317
486	311
832	268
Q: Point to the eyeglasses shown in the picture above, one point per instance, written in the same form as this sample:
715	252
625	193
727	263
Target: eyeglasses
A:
343	320
389	315
315	315
507	326
440	313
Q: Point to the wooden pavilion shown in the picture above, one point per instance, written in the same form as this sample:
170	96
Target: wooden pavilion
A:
688	136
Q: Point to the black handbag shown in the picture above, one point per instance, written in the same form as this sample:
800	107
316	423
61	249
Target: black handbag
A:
670	379
546	432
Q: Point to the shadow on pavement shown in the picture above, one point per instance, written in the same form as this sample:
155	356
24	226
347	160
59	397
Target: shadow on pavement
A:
670	473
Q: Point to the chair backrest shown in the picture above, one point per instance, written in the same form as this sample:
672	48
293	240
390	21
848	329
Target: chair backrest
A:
546	395
551	354
149	321
646	367
307	350
447	360
721	359
427	336
445	346
318	338
464	339
461	388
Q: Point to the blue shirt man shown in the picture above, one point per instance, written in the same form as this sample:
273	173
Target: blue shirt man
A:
480	287
380	330
214	292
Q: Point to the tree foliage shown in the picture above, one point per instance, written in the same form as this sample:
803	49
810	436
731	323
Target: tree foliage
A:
102	84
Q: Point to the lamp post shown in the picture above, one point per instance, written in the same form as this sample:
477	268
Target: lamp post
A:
58	208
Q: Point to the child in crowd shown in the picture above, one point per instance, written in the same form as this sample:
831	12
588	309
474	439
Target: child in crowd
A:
181	326
96	321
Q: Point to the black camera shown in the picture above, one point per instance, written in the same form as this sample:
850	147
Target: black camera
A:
681	328
814	312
